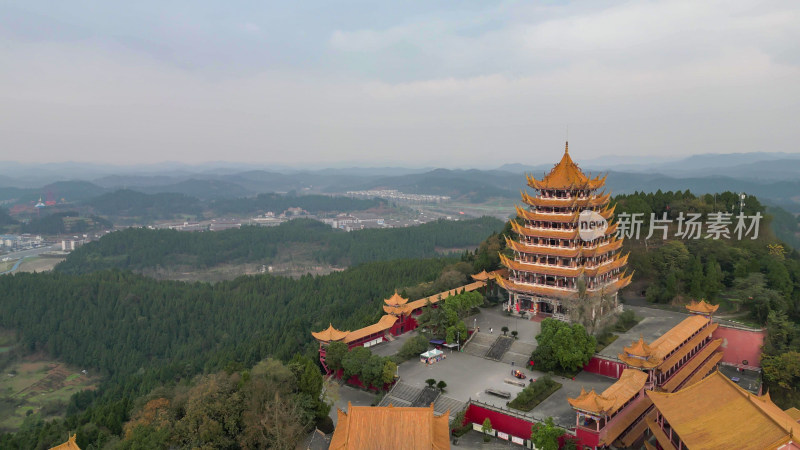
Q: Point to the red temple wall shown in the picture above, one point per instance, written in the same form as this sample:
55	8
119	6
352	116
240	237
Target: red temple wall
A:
587	438
507	424
740	345
605	367
500	422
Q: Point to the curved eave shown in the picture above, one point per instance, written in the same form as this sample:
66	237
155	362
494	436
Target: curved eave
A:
608	267
554	234
537	201
330	334
547	217
535	290
542	250
539	268
650	363
610	246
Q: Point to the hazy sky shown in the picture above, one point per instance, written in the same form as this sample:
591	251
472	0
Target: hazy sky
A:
467	83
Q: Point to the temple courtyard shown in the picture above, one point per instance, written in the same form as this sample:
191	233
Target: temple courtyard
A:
469	373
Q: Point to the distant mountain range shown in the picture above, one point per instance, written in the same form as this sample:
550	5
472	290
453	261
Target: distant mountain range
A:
773	177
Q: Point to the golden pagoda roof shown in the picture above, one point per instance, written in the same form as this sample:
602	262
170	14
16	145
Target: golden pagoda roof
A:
396	299
570	252
69	445
390	427
330	334
543	249
547	217
609	246
639	348
385	322
537	200
701	307
535	289
554	233
482	276
716	413
540	268
398	310
546	233
591	402
552	291
616	263
566	175
630	383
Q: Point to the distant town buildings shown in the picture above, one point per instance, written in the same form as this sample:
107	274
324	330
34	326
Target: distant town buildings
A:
12	242
359	221
393	194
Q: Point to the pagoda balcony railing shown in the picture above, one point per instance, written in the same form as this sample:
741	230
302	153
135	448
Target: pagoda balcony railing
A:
566	288
551	197
554	266
563	288
549	228
560	247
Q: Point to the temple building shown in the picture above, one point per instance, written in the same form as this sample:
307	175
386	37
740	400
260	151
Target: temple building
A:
401	317
717	413
389	427
566	251
678	359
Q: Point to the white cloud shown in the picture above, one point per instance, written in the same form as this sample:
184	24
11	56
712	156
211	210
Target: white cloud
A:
475	89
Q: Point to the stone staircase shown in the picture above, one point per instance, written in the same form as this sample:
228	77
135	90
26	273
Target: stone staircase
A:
499	348
480	344
444	403
519	353
402	394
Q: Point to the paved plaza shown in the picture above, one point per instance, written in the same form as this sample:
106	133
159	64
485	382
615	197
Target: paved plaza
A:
468	376
654	323
468	373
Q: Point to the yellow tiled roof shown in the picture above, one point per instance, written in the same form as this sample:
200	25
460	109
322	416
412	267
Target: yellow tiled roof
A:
565	175
794	413
69	445
396	300
363	427
673	338
594	200
330	334
383	324
717	413
629	384
701	307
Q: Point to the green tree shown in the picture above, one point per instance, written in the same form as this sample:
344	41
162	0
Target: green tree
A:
695	279
389	371
354	361
713	279
783	369
334	355
487	426
430	382
545	436
563	346
441	385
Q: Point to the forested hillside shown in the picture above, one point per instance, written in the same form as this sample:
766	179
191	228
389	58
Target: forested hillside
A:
138	248
140	333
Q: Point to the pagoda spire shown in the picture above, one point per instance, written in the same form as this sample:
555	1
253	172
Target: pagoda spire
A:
566	148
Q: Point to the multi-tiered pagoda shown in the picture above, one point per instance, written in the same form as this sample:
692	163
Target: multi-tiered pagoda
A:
565	236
